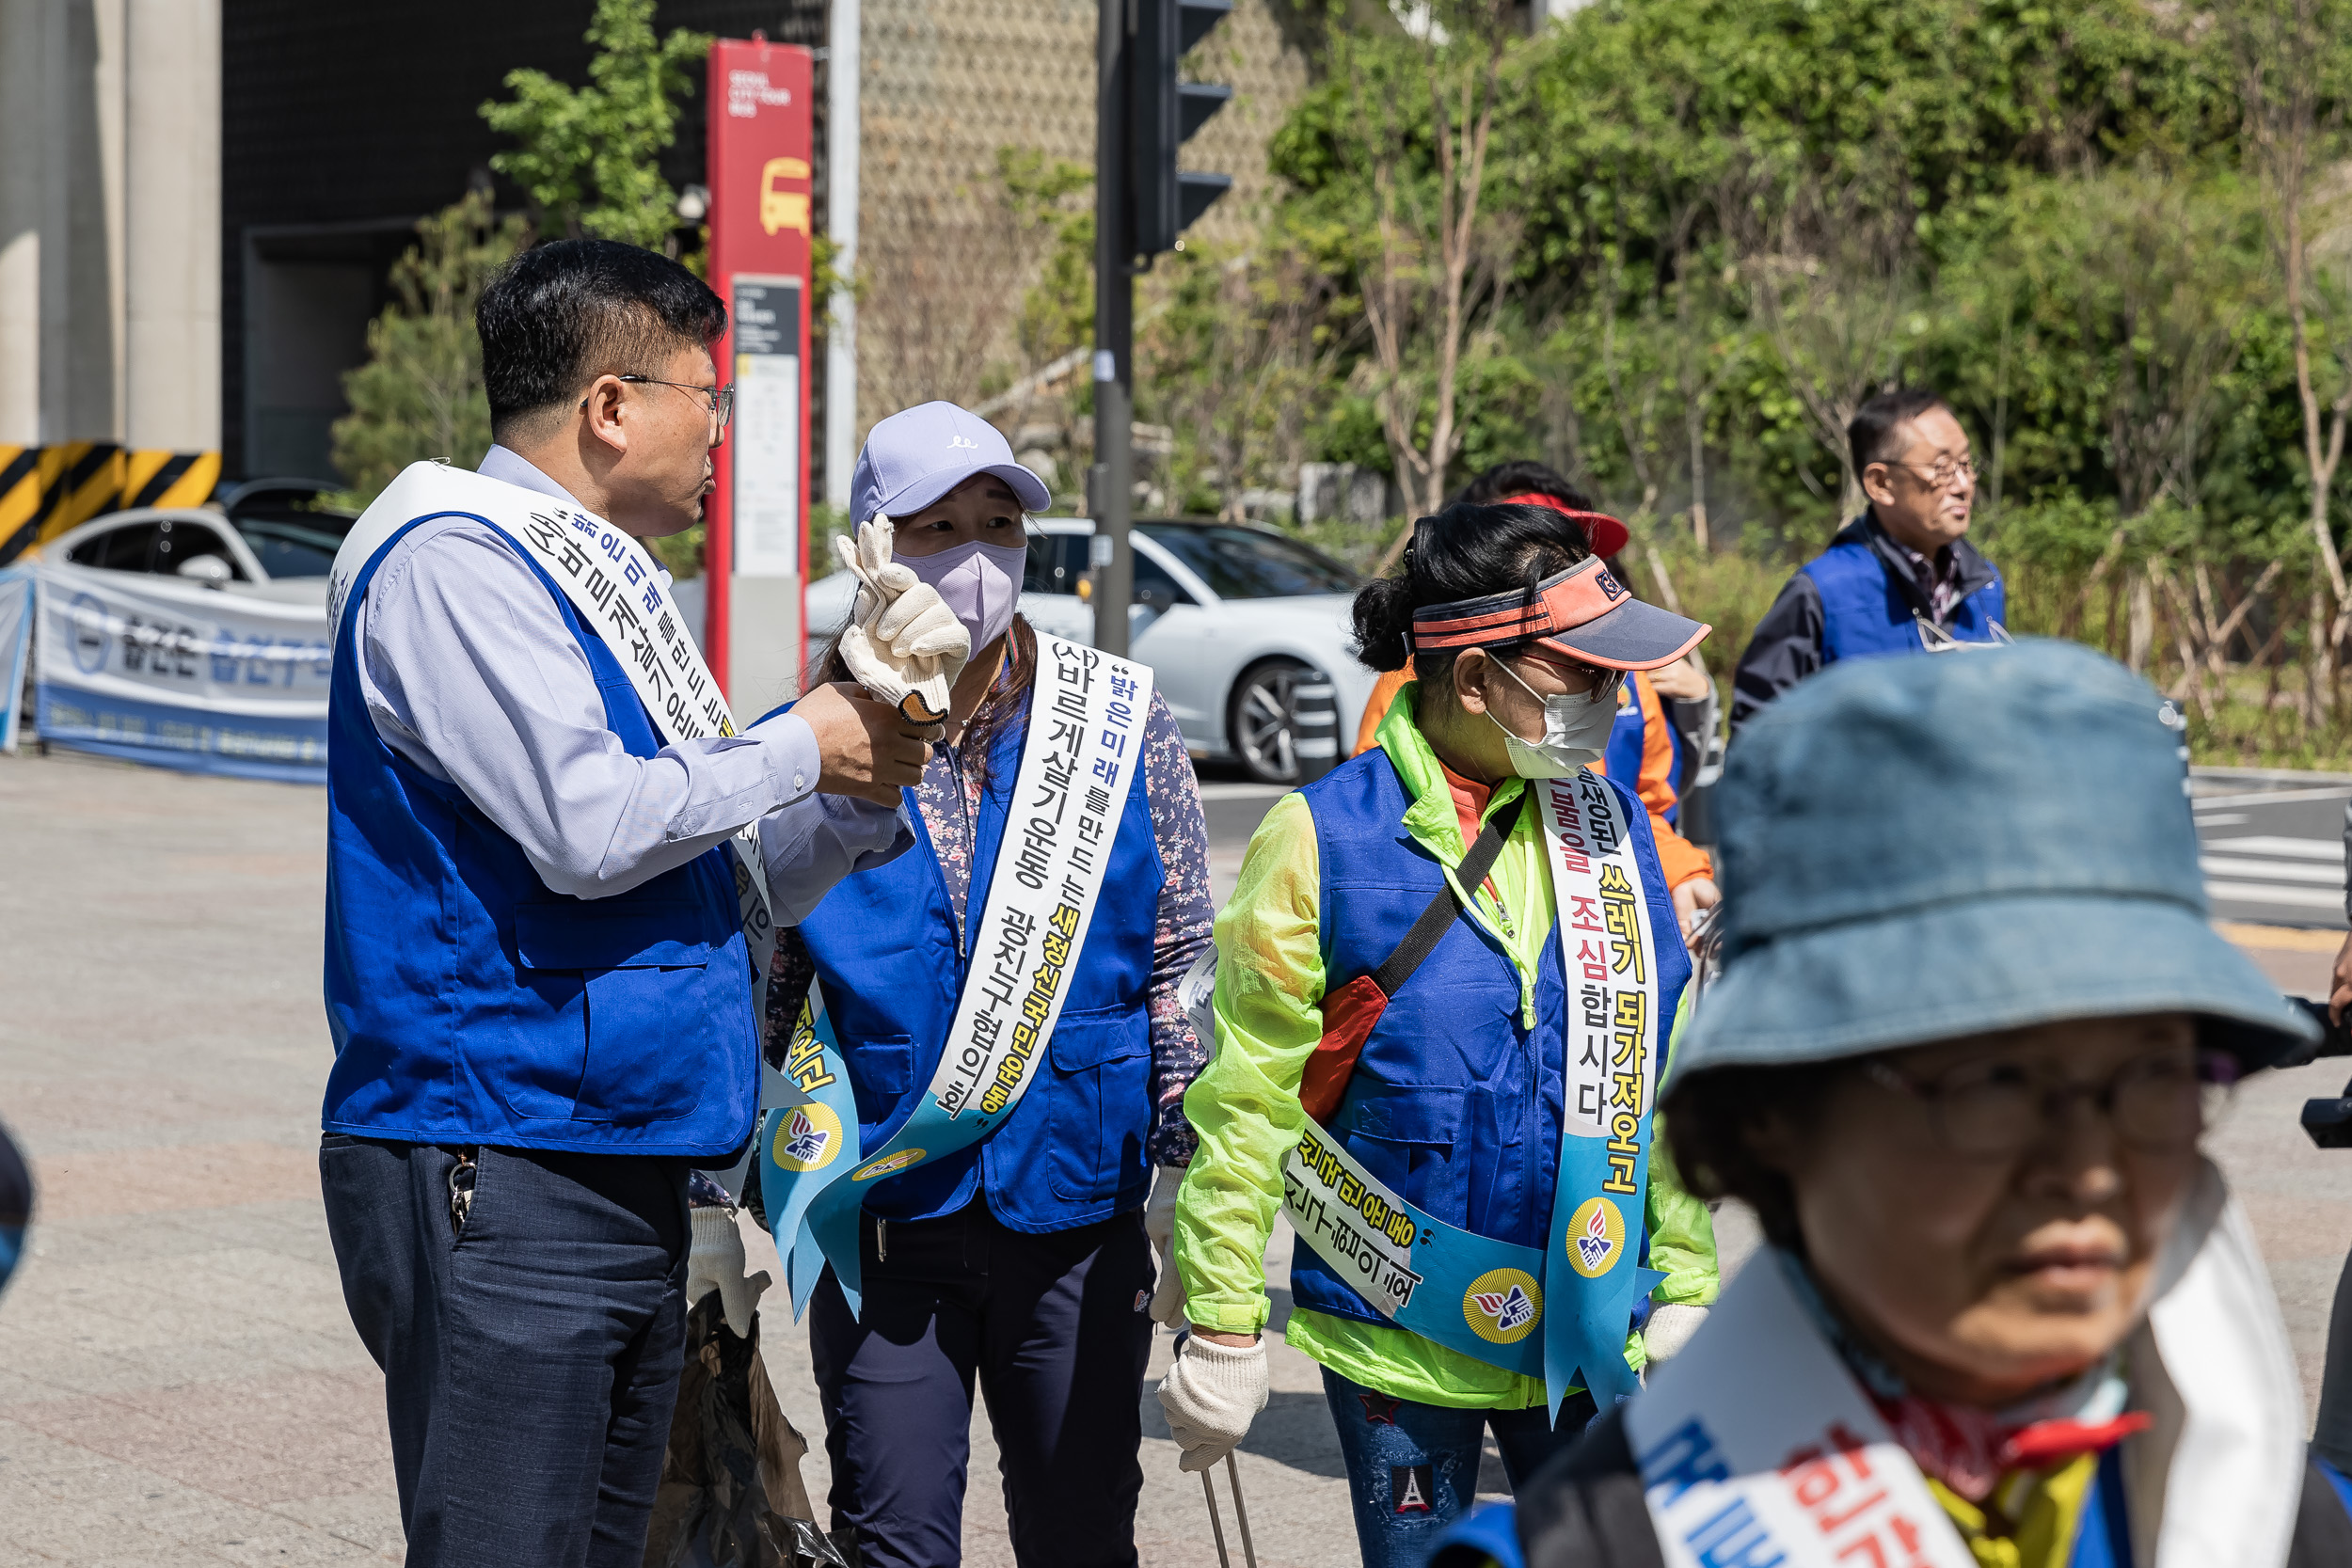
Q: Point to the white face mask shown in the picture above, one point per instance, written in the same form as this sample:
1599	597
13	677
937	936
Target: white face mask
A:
1576	732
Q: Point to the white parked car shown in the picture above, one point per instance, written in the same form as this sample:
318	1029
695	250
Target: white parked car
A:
267	542
1231	619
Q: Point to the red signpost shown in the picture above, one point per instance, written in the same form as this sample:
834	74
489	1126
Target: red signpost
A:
762	141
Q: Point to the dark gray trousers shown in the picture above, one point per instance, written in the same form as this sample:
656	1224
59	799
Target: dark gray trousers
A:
531	1359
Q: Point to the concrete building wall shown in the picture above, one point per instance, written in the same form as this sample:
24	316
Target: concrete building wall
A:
154	302
61	75
345	124
23	184
109	341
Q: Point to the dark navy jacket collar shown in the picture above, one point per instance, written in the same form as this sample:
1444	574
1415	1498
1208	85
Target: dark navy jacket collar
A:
1971	570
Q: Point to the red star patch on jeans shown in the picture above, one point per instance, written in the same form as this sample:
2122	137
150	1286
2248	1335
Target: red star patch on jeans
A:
1380	1409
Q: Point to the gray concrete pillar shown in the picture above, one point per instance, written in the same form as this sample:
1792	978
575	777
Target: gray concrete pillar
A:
23	41
61	220
81	283
171	248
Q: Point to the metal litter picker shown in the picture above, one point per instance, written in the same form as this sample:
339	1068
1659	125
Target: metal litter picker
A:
1241	1516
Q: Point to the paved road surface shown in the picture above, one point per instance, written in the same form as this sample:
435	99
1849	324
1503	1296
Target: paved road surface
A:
2274	848
178	1383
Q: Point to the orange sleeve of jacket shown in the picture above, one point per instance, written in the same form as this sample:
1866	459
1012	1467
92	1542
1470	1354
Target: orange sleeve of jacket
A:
1377	708
1677	857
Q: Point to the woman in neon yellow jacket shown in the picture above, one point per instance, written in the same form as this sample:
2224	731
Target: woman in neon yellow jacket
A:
1441	1002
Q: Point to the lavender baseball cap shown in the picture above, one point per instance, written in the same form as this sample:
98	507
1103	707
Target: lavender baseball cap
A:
915	457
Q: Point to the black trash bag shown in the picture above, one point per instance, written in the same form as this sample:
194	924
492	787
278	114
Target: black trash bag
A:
731	1494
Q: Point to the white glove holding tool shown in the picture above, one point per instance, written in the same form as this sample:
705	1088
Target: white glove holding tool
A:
1669	1329
1159	1224
903	643
1210	1396
714	1262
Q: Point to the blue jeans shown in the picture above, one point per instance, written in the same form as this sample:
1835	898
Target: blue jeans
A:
1412	1468
531	1359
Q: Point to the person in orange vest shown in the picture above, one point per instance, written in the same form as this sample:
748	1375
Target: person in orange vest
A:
1642	746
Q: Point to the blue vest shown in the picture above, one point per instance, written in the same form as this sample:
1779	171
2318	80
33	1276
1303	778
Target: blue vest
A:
884	945
1865	612
471	1005
1455	1104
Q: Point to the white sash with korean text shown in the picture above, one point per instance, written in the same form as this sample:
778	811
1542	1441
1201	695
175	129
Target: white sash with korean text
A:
617	590
1606	951
1611	1030
1081	757
1079	762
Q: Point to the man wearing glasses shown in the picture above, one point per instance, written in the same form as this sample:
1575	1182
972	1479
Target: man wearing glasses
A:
1901	579
537	977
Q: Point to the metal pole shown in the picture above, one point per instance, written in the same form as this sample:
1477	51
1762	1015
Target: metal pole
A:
842	151
1112	479
1217	1526
1241	1514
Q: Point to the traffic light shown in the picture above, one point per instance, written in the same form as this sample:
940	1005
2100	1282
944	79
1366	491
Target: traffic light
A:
1165	113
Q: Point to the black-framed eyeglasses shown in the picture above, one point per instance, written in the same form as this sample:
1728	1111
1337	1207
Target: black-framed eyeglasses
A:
1945	470
718	401
2158	1103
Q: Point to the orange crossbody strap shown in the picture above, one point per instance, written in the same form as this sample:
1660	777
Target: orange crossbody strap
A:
1350	1012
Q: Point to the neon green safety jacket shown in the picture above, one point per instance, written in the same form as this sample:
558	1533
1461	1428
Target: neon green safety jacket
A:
1245	1107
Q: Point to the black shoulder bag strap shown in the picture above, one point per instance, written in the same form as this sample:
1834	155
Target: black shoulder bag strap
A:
1445	908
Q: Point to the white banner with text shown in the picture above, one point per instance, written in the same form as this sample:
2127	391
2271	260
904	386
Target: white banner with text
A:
180	675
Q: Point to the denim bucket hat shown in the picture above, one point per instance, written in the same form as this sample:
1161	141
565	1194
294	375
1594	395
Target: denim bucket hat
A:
1915	849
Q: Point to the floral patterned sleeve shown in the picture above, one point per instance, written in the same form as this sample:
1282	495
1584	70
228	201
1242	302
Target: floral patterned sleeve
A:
789	979
1187	914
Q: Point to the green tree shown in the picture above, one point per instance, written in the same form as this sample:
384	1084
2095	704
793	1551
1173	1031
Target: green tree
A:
2294	89
1050	201
420	395
2117	235
587	157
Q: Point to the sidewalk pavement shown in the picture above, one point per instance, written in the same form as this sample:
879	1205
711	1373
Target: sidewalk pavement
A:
179	1381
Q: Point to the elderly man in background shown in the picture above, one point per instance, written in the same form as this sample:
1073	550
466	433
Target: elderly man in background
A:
1901	579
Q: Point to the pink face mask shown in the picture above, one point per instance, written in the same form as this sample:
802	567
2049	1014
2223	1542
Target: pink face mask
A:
979	582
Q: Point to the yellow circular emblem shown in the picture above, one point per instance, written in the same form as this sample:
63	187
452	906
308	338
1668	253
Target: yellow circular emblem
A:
1504	1305
1595	1237
808	1137
887	1164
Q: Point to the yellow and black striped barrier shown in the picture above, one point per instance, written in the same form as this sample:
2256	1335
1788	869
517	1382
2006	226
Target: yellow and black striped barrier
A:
47	490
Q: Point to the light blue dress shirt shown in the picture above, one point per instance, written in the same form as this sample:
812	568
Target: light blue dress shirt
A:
470	674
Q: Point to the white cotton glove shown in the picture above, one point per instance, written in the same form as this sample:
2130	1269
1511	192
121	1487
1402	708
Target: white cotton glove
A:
903	643
1210	1395
715	1262
1159	1223
1669	1329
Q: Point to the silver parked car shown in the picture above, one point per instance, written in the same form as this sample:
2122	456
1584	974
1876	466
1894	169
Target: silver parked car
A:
1231	619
